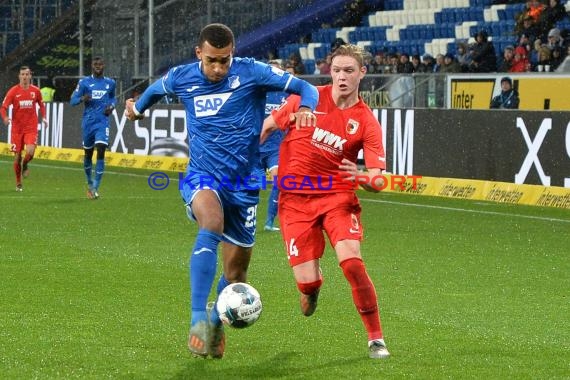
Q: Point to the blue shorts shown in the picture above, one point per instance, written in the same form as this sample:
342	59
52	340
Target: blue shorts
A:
239	208
95	134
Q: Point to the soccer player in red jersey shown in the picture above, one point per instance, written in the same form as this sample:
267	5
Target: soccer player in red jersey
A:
25	99
316	166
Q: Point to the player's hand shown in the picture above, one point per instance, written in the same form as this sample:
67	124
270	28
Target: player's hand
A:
109	110
45	121
304	117
130	112
85	98
349	170
6	121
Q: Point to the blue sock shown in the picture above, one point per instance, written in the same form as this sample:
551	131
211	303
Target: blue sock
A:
203	265
222	283
272	205
99	169
87	165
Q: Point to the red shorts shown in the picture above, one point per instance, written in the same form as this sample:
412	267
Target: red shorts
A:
304	217
23	138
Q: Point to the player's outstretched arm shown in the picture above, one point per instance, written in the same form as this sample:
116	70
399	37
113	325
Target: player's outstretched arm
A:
304	117
371	180
269	126
309	93
130	111
78	95
154	92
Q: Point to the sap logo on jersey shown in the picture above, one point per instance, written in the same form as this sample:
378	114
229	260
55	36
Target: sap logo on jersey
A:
98	94
209	105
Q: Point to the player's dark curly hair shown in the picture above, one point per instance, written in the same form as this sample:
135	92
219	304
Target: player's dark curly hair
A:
217	35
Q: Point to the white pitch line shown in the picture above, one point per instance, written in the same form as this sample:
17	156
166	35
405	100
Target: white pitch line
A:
458	209
172	177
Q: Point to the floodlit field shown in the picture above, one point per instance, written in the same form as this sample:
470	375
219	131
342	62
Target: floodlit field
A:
99	289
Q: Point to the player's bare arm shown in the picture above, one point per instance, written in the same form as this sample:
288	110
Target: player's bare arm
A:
269	126
375	180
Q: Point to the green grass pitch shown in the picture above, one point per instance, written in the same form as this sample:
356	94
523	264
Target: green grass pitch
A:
99	289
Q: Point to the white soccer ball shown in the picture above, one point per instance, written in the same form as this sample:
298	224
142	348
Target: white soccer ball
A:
239	305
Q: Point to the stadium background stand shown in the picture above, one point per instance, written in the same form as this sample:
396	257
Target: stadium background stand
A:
421	27
19	20
406	26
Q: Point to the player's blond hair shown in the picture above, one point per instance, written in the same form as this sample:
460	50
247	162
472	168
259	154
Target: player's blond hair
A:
350	50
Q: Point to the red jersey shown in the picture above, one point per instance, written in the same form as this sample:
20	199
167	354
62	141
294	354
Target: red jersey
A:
24	111
309	158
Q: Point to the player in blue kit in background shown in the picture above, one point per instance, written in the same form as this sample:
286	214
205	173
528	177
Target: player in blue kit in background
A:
224	98
269	151
97	92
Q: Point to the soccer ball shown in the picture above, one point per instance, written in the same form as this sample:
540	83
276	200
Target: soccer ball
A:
239	305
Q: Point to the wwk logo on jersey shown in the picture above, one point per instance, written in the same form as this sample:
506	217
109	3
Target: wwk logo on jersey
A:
98	94
327	141
209	105
26	103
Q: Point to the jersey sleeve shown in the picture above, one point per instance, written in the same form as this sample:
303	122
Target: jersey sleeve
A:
279	80
373	146
155	92
7	102
281	114
77	93
41	103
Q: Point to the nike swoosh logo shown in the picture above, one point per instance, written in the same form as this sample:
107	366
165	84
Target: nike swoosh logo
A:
192	88
353	231
17	96
91	85
201	250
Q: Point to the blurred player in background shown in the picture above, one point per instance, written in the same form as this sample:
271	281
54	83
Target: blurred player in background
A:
345	125
269	152
224	97
97	92
25	100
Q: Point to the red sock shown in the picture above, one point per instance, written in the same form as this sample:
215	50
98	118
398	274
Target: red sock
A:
363	295
310	287
27	158
18	171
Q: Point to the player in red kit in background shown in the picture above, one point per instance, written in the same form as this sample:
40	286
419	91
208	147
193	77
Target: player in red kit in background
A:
344	126
24	98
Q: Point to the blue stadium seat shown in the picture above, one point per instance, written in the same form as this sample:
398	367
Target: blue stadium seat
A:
309	66
476	14
379	33
322	51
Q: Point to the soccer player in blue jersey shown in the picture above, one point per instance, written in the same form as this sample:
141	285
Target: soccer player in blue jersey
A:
224	97
269	152
97	92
